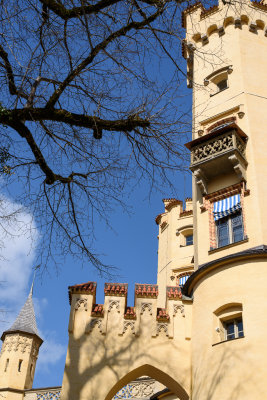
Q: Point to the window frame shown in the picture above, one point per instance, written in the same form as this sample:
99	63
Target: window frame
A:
222	317
186	239
236	331
230	228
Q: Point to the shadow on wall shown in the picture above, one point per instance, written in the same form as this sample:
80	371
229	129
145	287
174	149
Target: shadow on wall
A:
97	370
225	373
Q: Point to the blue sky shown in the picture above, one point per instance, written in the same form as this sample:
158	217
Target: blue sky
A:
131	246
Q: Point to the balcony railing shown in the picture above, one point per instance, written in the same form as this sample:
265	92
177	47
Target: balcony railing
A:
227	142
221	151
52	393
142	388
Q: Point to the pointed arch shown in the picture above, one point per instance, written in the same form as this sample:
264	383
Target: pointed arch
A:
152	372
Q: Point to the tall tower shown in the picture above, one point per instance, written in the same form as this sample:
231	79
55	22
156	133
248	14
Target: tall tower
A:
19	353
226	52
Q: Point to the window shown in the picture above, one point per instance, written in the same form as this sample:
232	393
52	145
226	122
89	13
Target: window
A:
222	85
228	219
6	366
230	229
218	80
20	364
189	240
228	323
233	329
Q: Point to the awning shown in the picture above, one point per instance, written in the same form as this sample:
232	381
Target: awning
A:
226	207
183	279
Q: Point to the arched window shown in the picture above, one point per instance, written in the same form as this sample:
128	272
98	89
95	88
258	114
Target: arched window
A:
228	323
218	80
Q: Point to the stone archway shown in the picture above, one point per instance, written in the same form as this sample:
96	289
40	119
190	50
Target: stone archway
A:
152	372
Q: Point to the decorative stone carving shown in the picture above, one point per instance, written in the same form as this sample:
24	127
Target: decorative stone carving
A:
204	39
201	181
95	322
136	390
162	327
177	307
51	395
114	303
238	167
81	303
17	343
221	31
212	147
145	306
128	324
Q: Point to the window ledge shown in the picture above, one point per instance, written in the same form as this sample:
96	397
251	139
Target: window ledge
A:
245	240
226	341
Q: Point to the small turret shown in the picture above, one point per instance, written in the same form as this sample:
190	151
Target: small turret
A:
21	343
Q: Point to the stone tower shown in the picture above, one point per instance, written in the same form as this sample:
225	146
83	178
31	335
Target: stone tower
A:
226	52
19	353
201	330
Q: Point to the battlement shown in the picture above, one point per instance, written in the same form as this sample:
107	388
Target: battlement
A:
116	315
200	23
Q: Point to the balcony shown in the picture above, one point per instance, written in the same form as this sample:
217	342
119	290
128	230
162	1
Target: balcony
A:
221	151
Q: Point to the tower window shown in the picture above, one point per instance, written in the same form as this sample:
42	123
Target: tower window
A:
228	323
6	366
233	329
230	229
229	222
189	240
222	85
19	366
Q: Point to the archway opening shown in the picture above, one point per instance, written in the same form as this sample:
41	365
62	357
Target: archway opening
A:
151	374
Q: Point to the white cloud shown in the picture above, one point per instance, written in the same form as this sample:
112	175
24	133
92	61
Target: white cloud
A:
50	352
18	240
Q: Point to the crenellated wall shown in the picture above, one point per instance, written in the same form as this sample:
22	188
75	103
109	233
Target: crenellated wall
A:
113	344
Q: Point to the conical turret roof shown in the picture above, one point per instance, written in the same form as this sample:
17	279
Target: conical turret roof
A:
25	321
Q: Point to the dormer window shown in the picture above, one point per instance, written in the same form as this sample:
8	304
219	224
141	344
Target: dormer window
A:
218	80
222	85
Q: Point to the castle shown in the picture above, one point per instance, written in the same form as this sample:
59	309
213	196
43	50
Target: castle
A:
200	331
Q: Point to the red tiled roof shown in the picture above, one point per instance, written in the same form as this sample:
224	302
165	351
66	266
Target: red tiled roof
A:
172	203
190	9
98	310
260	4
144	290
130	313
116	289
207	11
157	219
174	292
88	288
185	213
162	314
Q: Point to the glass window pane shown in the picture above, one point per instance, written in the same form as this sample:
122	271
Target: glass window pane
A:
237	227
230	330
189	240
240	328
223	232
